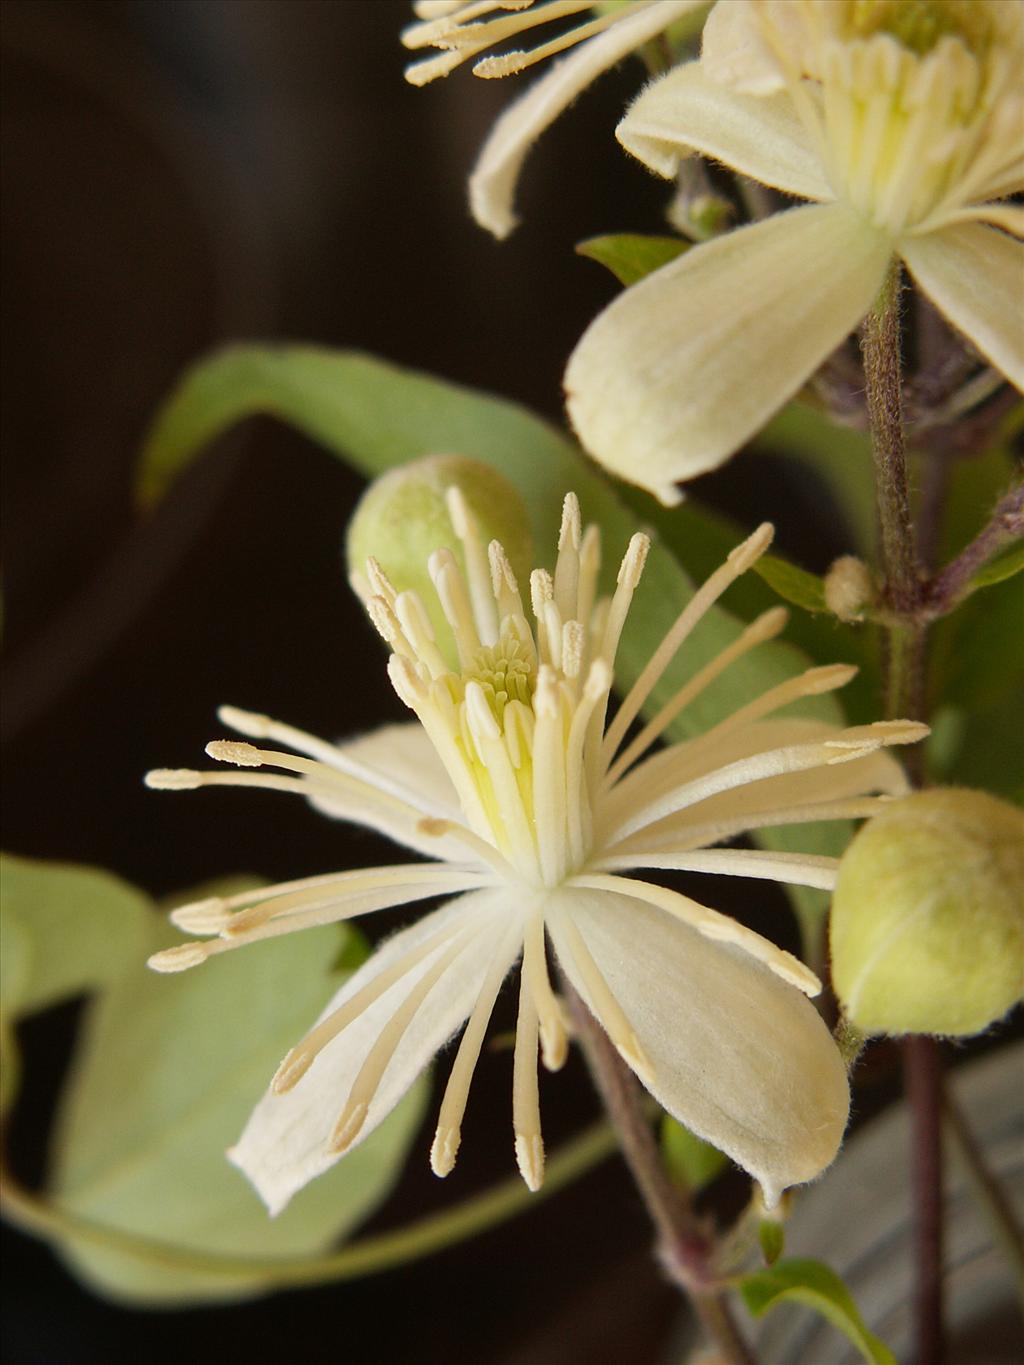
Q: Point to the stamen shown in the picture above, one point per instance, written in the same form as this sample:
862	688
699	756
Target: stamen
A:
571	650
380	584
371	1073
554	1040
813	682
549	808
415	621
438	828
452	593
386	625
590	567
503	583
304	1053
477	568
529	1144
509	63
710	924
680	831
577	795
739	560
567	565
795	869
630	571
449	1119
850	744
600	997
765	627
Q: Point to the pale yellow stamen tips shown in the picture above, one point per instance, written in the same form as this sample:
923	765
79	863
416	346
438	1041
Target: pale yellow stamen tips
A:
178	959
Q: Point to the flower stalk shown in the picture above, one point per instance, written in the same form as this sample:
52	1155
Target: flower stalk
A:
904	661
686	1251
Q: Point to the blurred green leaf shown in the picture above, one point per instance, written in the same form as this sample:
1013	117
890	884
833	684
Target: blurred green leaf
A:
163	1081
796	585
690	1159
772	1238
376	416
632	255
816	1286
997	570
66	930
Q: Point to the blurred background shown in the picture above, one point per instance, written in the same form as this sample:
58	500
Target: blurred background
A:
178	174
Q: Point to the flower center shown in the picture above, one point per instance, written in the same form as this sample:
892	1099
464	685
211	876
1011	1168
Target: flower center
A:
505	671
918	25
915	104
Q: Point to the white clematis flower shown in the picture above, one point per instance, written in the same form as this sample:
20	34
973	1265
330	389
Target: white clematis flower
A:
904	124
465	29
534	813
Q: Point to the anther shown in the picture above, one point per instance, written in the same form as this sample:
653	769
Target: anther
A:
235	751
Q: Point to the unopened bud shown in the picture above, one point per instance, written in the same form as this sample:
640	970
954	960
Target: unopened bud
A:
927	927
404	517
849	588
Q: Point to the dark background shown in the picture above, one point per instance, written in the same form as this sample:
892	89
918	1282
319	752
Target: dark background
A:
178	173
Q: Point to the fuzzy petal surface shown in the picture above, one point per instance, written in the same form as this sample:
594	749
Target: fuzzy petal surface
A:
683	368
286	1141
974	274
685	112
492	185
737	1055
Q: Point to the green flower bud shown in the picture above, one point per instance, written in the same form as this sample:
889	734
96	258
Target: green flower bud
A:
403	517
927	928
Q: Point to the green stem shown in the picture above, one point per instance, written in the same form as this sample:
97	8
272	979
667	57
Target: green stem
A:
366	1256
686	1250
904	663
987	1192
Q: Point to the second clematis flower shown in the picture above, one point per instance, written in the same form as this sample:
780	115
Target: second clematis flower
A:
904	123
533	811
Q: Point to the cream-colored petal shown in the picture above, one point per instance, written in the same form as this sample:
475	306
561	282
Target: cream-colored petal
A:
681	369
400	761
685	112
740	1057
286	1142
974	275
735	51
492	184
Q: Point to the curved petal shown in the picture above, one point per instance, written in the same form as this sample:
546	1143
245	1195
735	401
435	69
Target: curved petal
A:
684	367
398	761
685	112
735	51
975	277
492	184
286	1142
739	1056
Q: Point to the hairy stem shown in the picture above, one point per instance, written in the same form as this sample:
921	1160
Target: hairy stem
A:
687	1251
1005	526
904	663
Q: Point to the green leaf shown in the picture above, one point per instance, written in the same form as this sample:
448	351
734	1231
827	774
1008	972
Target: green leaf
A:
796	585
377	416
65	930
772	1238
163	1081
997	570
632	255
690	1160
816	1286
